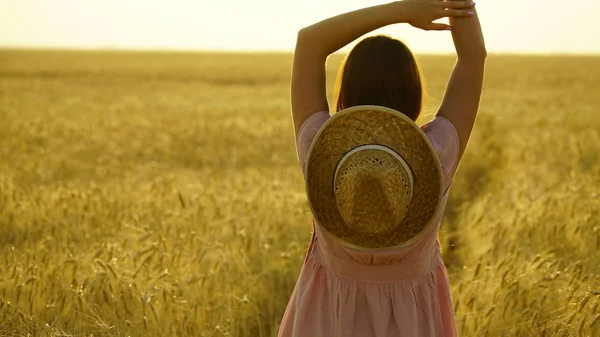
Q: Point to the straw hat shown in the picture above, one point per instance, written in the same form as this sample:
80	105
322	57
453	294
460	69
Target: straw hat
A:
373	179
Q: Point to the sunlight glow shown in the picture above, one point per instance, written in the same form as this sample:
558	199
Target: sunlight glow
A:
528	26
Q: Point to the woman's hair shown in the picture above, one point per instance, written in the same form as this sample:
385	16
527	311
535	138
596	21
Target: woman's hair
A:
380	71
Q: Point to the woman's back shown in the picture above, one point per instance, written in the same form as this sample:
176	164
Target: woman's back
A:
346	291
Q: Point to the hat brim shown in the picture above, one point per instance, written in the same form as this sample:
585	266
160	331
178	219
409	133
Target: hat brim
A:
369	124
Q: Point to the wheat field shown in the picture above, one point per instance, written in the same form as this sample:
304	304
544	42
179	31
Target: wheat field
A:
155	194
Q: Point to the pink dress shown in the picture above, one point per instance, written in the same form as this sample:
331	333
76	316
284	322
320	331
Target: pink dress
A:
344	292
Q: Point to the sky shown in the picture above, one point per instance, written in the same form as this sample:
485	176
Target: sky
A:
523	26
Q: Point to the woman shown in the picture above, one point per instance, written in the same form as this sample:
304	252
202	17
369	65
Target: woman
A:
381	71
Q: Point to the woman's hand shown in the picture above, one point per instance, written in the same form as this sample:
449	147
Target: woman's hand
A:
422	13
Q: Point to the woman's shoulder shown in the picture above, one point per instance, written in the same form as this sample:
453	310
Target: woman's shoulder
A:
444	138
438	124
307	132
312	124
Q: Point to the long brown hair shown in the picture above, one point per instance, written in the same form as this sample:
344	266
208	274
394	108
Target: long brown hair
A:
382	71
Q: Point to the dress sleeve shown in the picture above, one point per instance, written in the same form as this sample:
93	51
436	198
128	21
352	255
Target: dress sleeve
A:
307	133
443	136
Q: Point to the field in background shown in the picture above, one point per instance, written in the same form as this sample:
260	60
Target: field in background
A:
160	195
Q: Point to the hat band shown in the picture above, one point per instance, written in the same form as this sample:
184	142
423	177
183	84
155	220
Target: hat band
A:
376	147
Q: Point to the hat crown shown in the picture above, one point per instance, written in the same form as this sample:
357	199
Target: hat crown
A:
373	187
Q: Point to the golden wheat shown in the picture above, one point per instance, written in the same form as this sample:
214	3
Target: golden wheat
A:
160	195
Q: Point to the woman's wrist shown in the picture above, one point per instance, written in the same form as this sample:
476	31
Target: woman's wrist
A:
399	11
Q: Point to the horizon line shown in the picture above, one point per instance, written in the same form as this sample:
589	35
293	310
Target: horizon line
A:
141	50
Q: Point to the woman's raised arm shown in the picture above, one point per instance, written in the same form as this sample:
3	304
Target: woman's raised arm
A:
315	43
463	92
